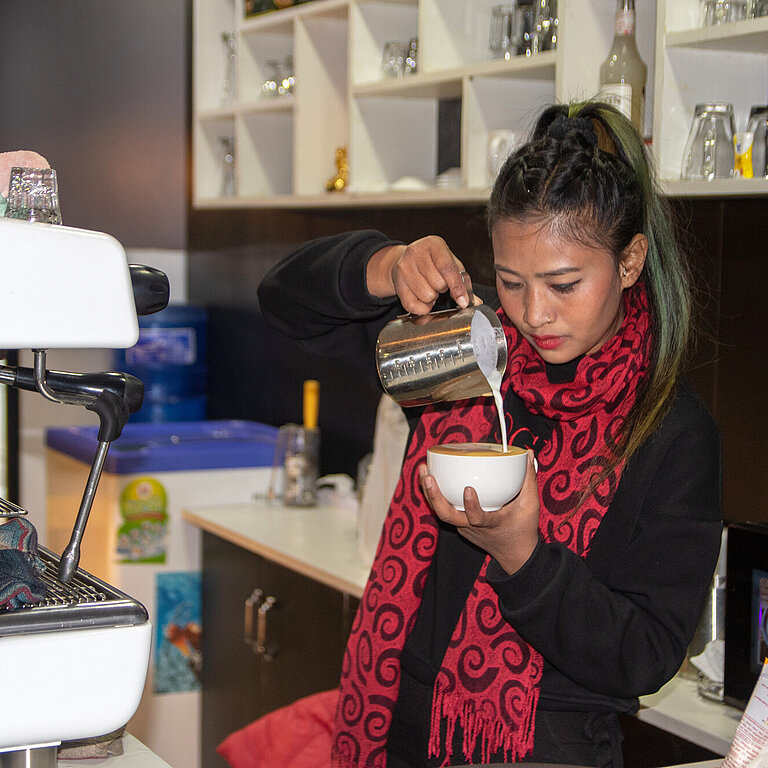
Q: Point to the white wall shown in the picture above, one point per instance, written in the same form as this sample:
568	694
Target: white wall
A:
36	413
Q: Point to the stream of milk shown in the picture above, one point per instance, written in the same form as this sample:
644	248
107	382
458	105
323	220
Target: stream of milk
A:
483	338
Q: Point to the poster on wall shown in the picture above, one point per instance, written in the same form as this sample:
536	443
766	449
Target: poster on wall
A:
177	656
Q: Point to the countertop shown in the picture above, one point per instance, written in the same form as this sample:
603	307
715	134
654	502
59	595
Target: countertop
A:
678	708
319	542
135	755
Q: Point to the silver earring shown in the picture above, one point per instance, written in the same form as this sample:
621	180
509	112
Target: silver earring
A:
624	272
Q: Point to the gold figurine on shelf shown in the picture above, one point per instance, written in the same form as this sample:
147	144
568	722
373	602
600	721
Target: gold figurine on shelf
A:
341	179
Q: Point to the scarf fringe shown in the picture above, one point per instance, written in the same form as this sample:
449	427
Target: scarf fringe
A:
514	737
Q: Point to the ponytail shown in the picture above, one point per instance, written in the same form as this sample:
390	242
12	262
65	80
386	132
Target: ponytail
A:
587	169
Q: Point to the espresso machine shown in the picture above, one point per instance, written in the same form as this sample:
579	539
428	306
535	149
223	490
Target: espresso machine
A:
72	666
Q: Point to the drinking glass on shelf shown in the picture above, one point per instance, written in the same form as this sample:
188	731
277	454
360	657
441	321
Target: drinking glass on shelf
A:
269	86
230	68
412	56
502	39
286	81
393	59
227	144
723	11
33	195
709	151
546	25
527	39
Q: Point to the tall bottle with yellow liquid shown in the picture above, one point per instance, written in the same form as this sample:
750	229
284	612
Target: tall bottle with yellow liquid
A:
623	74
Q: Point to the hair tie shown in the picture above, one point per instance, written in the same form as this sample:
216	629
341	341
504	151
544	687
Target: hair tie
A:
562	125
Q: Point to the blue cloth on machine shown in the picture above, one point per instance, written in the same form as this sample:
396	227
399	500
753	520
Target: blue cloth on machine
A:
20	566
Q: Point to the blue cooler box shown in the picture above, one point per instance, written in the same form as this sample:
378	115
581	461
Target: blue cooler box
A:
137	540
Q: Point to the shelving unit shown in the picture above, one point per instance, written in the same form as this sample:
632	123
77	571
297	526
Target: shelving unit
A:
697	64
285	147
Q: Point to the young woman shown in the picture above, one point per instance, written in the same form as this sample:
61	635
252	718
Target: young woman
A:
518	635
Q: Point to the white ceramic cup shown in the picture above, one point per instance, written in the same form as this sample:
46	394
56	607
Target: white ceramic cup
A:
496	476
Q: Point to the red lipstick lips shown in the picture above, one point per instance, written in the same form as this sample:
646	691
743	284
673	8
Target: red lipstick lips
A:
547	342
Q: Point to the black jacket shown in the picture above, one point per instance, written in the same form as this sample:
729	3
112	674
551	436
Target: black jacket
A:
612	626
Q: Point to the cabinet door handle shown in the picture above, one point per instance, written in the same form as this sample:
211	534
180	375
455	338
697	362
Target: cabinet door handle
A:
251	604
261	630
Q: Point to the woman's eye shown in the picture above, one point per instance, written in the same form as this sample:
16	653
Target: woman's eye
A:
509	285
565	287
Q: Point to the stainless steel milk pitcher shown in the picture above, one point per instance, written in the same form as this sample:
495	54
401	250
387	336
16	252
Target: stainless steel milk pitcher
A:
446	355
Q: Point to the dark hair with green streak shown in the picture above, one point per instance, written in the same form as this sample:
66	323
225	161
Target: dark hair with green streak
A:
586	175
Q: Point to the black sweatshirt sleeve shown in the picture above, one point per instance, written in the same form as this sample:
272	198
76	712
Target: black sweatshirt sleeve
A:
618	622
317	294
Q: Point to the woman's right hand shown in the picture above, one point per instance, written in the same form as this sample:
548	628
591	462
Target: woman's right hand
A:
417	274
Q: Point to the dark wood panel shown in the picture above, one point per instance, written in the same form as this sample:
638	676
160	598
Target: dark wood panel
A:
700	227
743	383
231	674
306	633
101	90
646	746
306	630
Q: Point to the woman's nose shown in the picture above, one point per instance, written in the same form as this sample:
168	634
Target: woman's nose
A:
537	312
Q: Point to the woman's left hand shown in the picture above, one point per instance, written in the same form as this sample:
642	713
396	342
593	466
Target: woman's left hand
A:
509	534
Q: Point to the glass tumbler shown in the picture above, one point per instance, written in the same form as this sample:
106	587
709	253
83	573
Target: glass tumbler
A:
295	468
33	195
412	57
269	87
228	82
709	150
723	11
393	59
502	38
227	165
527	35
546	25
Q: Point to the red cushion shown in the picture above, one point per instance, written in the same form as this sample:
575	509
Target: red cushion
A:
294	736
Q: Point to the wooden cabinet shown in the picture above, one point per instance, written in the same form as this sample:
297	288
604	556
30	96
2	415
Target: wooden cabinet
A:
256	662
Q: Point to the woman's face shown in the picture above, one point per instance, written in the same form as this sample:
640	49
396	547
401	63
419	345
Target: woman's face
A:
564	297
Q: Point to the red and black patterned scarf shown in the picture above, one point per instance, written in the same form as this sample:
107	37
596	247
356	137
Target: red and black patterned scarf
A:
488	683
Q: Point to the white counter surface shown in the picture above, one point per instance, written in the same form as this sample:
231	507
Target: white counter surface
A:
319	542
678	708
135	755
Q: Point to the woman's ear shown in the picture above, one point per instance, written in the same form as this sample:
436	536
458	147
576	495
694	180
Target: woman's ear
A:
632	260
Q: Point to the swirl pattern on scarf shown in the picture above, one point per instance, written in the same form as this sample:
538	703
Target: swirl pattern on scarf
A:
489	680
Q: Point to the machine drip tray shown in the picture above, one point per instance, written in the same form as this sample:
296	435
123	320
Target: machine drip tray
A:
86	602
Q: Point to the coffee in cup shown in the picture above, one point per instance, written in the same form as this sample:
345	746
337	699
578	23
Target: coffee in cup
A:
496	474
